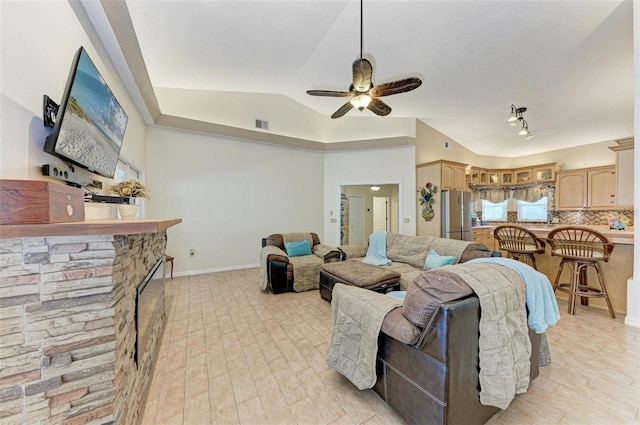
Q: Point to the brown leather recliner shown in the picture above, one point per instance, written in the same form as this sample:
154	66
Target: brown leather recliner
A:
435	380
280	271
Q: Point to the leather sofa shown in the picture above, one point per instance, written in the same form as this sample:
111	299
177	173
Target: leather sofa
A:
408	253
279	269
430	374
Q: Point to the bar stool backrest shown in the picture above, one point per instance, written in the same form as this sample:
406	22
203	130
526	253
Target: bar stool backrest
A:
518	239
579	243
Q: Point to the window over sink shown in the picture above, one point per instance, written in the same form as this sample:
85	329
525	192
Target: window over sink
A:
533	211
494	212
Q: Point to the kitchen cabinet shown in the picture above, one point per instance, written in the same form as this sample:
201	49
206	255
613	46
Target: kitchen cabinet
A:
506	177
593	188
523	176
484	235
601	188
494	176
545	173
478	176
453	176
624	173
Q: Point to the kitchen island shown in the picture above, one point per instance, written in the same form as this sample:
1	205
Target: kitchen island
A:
616	271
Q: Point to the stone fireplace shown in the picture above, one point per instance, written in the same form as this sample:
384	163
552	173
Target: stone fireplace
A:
69	329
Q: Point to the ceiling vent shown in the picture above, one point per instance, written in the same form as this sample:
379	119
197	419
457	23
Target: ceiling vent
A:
263	125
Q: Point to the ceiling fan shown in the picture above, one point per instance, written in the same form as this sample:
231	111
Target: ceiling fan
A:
364	94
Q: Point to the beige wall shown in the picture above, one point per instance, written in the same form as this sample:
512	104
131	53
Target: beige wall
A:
430	147
39	42
230	194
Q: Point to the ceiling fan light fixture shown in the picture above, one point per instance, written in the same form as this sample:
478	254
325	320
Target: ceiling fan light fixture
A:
361	101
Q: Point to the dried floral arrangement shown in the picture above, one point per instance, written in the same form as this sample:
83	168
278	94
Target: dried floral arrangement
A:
131	188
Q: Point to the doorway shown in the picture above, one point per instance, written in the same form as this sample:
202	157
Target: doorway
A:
387	219
380	214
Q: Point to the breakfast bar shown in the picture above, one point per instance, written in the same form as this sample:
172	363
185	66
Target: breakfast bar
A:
616	271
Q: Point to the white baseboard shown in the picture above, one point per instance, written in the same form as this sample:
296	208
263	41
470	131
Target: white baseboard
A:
214	270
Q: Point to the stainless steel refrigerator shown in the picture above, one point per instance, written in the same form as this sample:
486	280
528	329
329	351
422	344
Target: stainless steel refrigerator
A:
456	215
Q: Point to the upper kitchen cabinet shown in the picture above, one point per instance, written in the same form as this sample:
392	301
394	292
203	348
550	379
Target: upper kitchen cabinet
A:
478	176
592	188
523	176
494	176
453	176
545	173
506	177
624	172
571	190
602	188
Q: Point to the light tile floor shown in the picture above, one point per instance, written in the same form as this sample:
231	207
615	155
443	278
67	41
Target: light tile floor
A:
232	354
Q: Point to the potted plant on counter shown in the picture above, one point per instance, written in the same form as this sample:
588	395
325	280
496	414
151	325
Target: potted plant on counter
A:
130	188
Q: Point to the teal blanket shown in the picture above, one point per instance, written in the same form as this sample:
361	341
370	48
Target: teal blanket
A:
377	251
541	301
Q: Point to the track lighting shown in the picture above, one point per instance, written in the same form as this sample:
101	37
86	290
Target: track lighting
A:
515	117
525	128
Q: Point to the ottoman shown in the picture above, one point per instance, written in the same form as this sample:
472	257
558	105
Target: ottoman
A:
357	273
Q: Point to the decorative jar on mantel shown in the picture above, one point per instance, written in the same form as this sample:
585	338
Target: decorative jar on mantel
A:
128	211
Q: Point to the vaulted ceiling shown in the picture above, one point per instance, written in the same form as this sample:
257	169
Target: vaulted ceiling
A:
231	62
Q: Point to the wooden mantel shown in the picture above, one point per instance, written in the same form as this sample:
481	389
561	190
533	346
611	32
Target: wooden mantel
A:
88	227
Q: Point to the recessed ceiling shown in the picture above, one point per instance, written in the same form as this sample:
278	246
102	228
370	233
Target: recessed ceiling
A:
569	62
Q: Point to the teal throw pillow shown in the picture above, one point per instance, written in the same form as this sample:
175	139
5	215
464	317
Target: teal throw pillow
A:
435	260
297	249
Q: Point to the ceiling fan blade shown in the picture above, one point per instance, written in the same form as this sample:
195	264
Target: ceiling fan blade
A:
329	93
343	110
378	107
362	73
395	87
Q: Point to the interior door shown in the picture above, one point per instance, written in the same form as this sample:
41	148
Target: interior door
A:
380	214
356	220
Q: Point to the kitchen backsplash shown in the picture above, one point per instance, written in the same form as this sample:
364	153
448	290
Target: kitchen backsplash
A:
575	217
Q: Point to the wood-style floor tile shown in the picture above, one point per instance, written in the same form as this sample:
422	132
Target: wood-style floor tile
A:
233	354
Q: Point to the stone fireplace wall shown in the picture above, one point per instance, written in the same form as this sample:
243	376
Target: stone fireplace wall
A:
68	331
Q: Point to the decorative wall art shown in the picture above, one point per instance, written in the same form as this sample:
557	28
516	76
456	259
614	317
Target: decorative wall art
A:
427	199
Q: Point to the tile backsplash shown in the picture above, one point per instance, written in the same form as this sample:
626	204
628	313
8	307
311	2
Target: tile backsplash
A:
576	217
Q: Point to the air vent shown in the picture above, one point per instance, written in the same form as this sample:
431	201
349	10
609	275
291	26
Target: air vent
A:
264	125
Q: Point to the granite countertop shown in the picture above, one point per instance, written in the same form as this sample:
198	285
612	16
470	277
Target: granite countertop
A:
542	230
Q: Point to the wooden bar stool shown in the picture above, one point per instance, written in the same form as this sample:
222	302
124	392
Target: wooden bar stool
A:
580	248
519	243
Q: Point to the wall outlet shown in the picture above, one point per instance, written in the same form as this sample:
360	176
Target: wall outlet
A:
333	220
407	220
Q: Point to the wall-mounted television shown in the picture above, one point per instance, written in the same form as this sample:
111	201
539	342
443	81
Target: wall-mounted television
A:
89	123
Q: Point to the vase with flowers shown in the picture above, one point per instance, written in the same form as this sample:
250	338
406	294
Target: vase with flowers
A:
130	188
618	222
427	199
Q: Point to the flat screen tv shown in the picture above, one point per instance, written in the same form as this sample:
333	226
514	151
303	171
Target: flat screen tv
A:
90	123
